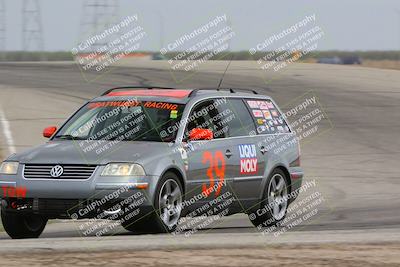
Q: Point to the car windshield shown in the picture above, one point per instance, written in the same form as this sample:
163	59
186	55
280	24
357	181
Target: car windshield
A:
129	120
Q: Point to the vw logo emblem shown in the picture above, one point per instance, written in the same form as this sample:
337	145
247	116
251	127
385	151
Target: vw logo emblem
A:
56	171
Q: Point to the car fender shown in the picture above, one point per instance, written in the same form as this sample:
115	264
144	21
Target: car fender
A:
269	169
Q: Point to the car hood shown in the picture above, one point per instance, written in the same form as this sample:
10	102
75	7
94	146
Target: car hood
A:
91	152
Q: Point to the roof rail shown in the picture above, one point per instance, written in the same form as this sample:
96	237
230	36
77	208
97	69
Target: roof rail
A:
231	90
135	88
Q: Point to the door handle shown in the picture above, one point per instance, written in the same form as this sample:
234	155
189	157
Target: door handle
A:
228	153
263	150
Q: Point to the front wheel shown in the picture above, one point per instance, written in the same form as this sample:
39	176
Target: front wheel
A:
20	226
275	201
167	208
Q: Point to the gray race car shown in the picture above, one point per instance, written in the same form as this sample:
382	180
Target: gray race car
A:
149	157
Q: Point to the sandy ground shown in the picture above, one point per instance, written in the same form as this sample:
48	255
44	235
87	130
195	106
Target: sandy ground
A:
337	254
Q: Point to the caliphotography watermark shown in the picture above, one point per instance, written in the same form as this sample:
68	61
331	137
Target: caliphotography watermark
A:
100	51
307	117
191	50
110	125
103	214
205	211
308	207
291	44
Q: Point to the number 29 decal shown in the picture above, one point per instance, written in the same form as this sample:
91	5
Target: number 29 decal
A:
216	169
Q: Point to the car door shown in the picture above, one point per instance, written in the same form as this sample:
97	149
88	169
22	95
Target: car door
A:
269	125
247	157
210	167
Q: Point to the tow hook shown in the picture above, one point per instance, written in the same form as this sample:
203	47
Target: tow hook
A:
23	207
15	205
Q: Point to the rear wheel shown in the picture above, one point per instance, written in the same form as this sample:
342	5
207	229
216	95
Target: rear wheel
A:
275	201
20	226
167	208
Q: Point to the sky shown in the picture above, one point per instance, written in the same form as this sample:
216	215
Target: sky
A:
347	24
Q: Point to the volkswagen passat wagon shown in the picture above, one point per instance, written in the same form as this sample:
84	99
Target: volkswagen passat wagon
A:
151	157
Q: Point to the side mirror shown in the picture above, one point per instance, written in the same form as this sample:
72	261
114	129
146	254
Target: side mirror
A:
200	134
49	131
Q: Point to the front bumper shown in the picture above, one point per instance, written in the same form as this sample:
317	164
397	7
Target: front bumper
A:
95	187
76	198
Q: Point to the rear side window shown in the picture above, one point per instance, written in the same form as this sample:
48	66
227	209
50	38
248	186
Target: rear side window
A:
267	117
241	123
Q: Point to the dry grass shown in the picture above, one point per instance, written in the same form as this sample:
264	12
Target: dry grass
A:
336	255
379	64
382	64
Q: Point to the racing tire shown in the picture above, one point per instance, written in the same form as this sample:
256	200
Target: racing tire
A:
19	226
167	210
274	205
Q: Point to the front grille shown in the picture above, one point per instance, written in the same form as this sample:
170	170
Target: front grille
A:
65	206
42	171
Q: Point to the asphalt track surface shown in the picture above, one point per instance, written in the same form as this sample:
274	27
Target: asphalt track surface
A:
354	162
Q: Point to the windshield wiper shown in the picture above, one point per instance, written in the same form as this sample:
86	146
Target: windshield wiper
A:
68	137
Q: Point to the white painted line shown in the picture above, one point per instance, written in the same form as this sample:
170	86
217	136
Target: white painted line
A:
5	126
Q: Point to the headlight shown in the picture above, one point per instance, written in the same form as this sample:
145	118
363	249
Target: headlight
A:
9	168
122	169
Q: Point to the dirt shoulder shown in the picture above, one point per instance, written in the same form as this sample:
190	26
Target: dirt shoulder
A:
335	254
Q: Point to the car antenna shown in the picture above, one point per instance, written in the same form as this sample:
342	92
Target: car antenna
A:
223	75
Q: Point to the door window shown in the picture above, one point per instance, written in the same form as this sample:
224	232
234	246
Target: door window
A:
206	115
225	117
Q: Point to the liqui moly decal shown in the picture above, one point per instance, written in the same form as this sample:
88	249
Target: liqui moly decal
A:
248	159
